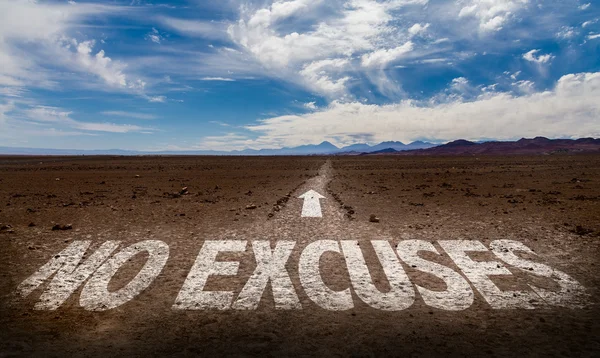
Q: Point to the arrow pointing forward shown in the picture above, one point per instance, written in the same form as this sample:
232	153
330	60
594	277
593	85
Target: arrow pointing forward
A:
311	207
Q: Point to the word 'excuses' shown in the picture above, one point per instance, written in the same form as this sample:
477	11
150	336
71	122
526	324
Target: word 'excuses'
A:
452	290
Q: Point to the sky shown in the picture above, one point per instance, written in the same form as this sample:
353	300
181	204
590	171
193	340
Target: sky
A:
235	74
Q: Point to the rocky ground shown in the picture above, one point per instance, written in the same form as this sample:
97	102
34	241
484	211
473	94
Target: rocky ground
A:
549	203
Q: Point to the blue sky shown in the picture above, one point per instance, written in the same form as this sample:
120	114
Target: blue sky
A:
233	74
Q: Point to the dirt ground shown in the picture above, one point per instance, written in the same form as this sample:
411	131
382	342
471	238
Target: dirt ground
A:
549	203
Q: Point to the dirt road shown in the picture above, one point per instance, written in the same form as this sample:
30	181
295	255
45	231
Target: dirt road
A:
227	256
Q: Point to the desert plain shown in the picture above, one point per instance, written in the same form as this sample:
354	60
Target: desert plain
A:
550	204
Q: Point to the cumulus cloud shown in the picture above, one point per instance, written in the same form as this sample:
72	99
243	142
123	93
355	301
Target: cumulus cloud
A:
45	24
570	109
417	29
310	105
357	29
541	59
50	45
492	15
319	75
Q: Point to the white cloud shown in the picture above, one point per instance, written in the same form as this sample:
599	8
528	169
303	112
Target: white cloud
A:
566	32
45	26
125	114
492	14
222	124
58	116
12	91
157	99
310	105
355	29
5	108
571	109
155	36
382	57
196	28
319	75
585	6
417	29
229	141
525	86
100	65
42	51
460	84
223	79
541	59
593	36
588	23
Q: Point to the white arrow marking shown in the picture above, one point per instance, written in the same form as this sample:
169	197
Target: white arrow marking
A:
311	207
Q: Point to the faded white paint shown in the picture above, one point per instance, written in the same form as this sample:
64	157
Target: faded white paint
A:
571	293
458	294
479	272
68	271
192	295
310	276
270	266
311	208
95	295
401	294
70	274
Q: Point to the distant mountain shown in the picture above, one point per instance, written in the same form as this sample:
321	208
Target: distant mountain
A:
382	151
535	146
362	147
309	149
396	146
323	148
388	145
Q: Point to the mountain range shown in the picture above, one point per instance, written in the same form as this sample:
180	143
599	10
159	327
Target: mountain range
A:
535	146
309	149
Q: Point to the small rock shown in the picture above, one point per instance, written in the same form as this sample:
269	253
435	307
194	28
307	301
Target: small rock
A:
57	179
251	207
62	227
137	176
373	219
31	224
183	191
